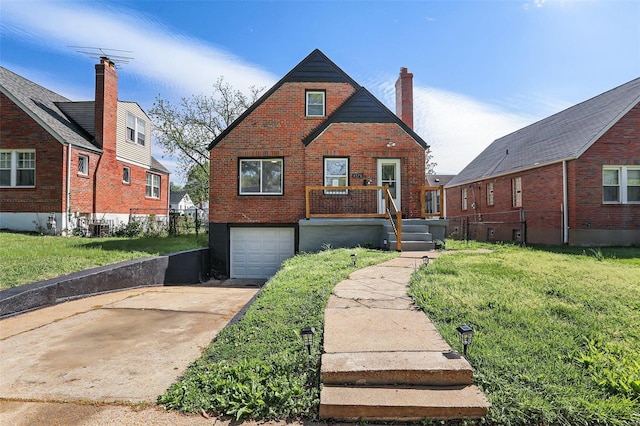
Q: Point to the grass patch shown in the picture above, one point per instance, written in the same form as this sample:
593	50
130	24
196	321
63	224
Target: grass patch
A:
557	329
28	258
259	368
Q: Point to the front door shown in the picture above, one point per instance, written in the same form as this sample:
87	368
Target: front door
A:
389	174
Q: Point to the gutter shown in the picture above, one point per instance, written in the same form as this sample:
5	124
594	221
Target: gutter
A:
67	212
565	201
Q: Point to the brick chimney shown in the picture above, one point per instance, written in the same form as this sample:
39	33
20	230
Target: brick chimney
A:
106	105
404	97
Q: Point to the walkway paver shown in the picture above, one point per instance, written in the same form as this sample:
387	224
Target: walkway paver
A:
384	359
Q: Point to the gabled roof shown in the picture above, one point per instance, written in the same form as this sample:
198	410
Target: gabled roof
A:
176	196
439	180
562	136
316	67
42	105
363	107
67	121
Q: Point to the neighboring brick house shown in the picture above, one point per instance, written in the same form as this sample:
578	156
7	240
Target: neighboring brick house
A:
572	178
315	127
83	162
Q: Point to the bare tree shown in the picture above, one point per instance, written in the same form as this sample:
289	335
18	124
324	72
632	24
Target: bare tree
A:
186	129
429	164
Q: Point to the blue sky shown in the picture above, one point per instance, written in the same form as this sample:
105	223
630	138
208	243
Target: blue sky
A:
482	69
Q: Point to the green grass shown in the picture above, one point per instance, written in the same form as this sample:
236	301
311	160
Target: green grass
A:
28	258
259	368
557	329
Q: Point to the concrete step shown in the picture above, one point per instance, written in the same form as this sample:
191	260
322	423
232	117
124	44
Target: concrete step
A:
412	245
422	368
393	403
409	228
411	236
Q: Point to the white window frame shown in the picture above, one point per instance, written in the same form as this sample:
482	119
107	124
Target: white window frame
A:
14	166
623	184
465	205
136	129
330	179
516	192
261	179
309	104
490	199
153	185
83	165
126	174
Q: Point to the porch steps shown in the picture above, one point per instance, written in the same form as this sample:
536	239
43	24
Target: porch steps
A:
399	386
415	236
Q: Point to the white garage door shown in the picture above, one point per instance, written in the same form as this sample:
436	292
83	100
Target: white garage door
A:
258	252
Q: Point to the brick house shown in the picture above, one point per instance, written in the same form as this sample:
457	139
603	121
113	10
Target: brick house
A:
273	170
572	178
82	162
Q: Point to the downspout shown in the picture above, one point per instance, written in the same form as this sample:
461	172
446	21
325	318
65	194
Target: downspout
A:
65	215
565	202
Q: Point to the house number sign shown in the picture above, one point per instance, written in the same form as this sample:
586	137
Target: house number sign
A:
356	175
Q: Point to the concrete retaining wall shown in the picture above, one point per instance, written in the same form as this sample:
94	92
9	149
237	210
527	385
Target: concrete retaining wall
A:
188	267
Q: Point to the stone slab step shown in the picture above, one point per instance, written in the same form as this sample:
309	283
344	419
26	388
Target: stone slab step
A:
402	404
386	368
413	245
411	236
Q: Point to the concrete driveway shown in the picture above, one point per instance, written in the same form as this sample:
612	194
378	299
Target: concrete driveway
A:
125	347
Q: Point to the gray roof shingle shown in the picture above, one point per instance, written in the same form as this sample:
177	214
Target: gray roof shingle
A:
41	104
562	136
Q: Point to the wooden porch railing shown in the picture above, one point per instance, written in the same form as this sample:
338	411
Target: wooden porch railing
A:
432	201
352	202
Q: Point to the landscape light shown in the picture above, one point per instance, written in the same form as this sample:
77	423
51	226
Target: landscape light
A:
425	260
307	337
354	260
466	336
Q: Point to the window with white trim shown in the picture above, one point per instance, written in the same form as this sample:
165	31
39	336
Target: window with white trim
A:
153	185
336	173
516	192
17	168
126	175
490	193
136	129
464	199
621	184
315	103
261	176
83	165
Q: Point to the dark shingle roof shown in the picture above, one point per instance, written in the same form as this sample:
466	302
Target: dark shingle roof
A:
363	107
562	136
42	105
316	67
176	196
439	180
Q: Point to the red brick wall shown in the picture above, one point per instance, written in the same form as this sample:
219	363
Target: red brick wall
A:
541	201
276	129
20	131
542	189
619	146
364	144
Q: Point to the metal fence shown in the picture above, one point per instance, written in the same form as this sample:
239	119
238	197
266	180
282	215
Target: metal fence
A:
513	225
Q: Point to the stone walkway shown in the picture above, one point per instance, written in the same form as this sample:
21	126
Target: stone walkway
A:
384	359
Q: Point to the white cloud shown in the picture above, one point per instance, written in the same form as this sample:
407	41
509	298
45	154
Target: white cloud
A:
169	59
456	126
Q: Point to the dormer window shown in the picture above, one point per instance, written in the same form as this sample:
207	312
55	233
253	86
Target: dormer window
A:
136	129
315	103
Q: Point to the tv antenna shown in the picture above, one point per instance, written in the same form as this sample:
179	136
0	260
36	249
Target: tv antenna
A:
116	56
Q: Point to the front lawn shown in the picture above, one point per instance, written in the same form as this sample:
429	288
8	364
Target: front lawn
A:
557	330
28	258
258	368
